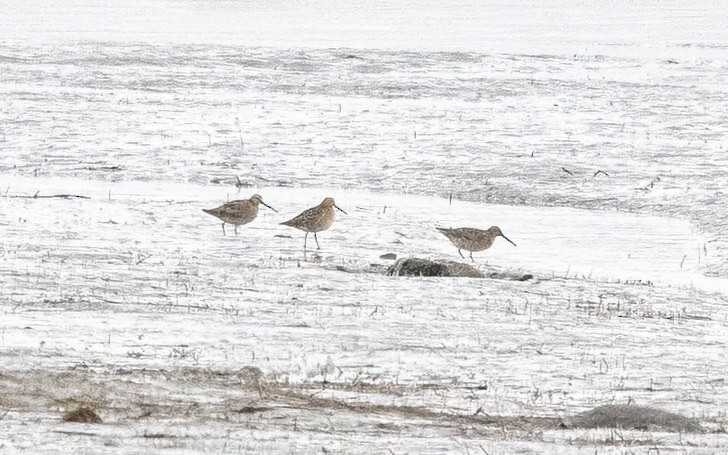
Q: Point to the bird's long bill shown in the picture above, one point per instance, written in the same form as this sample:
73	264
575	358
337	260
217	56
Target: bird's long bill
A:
507	239
340	209
269	206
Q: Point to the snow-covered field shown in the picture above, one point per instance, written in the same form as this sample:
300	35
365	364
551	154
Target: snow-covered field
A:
130	300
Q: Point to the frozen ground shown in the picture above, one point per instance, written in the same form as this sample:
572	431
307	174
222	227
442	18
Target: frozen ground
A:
133	302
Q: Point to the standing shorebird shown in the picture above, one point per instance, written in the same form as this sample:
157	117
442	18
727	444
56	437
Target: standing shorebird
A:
315	219
238	212
471	239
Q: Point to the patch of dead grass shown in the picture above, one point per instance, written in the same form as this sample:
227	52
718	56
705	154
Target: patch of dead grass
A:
81	414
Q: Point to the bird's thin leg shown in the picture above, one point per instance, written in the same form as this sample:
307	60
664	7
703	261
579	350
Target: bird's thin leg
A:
471	256
236	229
304	241
461	253
223	228
318	247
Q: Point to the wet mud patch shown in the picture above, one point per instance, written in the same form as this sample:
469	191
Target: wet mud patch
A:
250	397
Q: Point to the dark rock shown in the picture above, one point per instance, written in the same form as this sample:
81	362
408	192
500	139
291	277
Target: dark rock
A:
388	256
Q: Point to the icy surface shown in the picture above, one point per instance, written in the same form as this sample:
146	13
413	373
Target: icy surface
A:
412	116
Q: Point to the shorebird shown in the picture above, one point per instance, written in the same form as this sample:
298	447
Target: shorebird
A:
238	212
315	219
471	239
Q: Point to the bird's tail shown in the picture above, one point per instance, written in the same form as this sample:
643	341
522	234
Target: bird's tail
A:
443	230
208	211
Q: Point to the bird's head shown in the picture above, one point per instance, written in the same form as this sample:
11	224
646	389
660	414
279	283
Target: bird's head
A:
495	230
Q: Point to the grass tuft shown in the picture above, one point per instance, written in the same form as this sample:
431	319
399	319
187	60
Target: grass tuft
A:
82	414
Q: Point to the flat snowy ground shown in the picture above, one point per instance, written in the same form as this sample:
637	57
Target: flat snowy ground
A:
131	301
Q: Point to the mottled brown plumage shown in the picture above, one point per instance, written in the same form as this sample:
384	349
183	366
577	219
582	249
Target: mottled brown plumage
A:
238	212
471	239
315	219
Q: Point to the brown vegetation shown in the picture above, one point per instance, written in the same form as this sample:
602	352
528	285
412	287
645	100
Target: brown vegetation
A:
82	414
631	417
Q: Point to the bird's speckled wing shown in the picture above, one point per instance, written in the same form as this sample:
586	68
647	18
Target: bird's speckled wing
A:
302	218
469	234
470	239
234	207
238	212
466	234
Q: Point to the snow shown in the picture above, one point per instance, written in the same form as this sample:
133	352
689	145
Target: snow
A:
412	116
